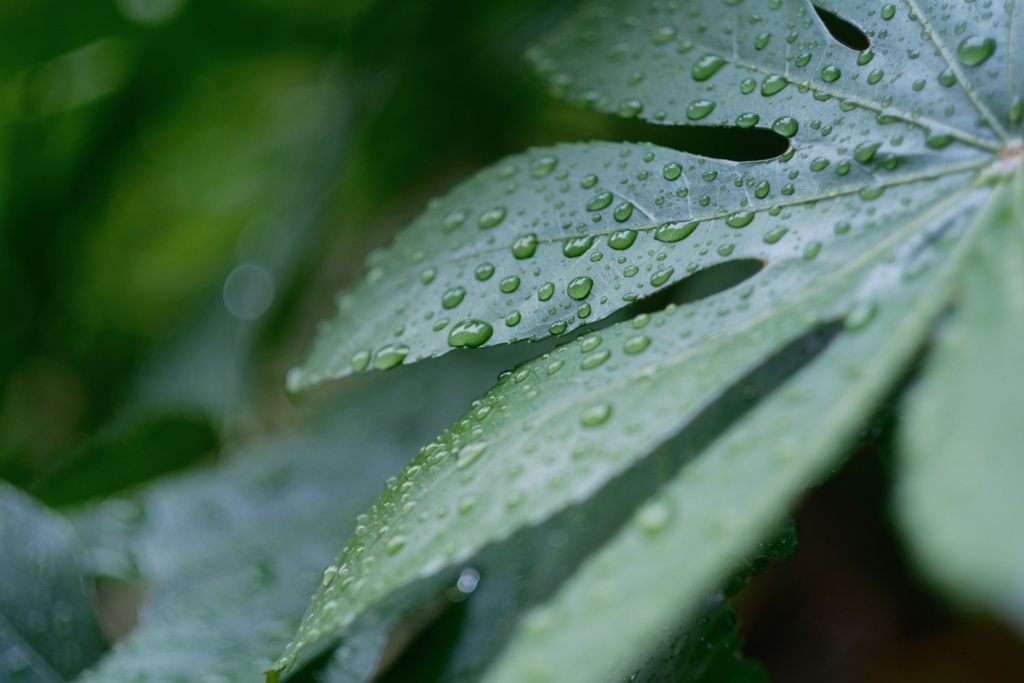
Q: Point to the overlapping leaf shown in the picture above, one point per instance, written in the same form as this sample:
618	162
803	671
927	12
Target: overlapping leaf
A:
893	149
958	494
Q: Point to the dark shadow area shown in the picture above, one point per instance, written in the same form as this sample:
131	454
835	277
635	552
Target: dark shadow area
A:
530	567
731	143
844	31
848	609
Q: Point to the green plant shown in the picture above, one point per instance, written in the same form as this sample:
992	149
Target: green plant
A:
609	491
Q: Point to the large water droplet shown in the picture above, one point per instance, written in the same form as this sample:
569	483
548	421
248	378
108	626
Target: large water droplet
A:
577	246
622	239
579	288
470	334
785	125
509	284
706	67
773	84
740	219
636	344
599	201
525	246
623	211
674	232
389	356
974	50
542	166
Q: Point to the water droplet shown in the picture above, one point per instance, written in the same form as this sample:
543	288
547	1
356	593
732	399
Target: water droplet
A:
622	239
761	40
938	140
579	288
773	236
661	277
466	504
875	76
865	151
389	356
698	109
554	366
599	201
811	250
469	454
577	246
558	328
974	50
541	166
762	189
630	108
862	313
588	181
491	217
395	544
706	67
748	120
636	344
453	220
596	415
470	334
785	125
623	211
672	171
773	84
740	219
819	164
513	318
484	271
525	246
595	359
674	232
653	517
747	86
509	284
453	297
360	360
888	11
830	73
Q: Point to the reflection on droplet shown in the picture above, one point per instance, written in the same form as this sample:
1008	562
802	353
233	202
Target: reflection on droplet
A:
248	291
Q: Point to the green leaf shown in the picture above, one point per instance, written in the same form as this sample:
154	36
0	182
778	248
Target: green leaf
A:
958	495
893	150
48	631
231	553
553	239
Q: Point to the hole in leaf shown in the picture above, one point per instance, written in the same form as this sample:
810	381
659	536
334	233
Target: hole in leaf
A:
730	143
700	285
846	32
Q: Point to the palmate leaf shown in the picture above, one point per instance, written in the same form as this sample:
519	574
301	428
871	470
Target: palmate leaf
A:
894	149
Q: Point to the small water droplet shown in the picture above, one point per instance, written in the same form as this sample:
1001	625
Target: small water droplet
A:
491	217
513	318
661	277
596	415
748	120
588	181
395	544
888	11
860	315
595	359
630	108
698	109
453	297
672	171
453	220
623	211
653	517
484	271
636	344
706	67
360	360
509	284
830	73
542	166
546	291
469	454
740	219
773	236
470	334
